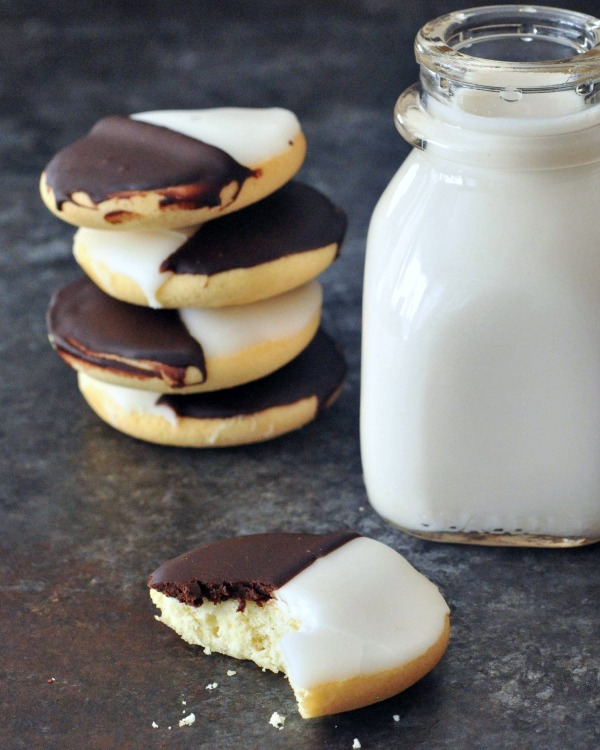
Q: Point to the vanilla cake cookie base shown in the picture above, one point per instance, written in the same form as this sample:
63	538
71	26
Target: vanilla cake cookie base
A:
170	169
261	251
191	350
240	286
346	618
262	410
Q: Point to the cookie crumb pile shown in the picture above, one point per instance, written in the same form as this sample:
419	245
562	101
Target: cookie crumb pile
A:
198	321
187	721
277	720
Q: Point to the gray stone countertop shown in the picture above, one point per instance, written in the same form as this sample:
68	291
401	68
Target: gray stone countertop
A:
86	512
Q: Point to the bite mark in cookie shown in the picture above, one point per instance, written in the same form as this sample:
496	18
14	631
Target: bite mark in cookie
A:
351	625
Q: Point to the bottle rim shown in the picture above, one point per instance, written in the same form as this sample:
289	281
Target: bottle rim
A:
441	47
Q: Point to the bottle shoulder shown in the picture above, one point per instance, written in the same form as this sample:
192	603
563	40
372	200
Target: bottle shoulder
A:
498	142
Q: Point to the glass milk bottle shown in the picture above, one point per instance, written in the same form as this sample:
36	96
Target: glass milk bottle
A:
480	395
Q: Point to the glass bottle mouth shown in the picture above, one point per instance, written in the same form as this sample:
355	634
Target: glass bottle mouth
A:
527	75
531	47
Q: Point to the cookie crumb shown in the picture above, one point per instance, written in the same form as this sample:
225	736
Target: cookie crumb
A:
396	717
231	672
356	744
187	720
277	720
51	680
212	685
154	725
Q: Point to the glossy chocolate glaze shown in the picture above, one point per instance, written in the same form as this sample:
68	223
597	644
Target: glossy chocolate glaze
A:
247	568
121	156
318	371
86	323
294	219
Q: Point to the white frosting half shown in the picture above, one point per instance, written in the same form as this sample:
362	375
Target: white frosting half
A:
224	330
137	255
249	135
348	627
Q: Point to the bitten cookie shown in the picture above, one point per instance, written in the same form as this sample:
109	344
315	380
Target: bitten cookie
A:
264	409
346	618
261	251
172	168
180	351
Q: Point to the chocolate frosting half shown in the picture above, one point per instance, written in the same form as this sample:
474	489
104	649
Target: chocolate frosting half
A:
121	156
294	219
318	371
247	568
86	323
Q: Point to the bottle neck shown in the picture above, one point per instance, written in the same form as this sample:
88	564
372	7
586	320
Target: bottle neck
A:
506	97
528	76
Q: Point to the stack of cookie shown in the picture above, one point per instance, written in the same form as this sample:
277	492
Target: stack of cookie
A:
198	323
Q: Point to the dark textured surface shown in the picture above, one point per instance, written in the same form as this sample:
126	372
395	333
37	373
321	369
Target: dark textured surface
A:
86	513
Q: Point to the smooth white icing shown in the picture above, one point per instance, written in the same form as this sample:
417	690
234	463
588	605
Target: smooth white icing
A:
130	400
137	255
348	626
224	330
249	135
